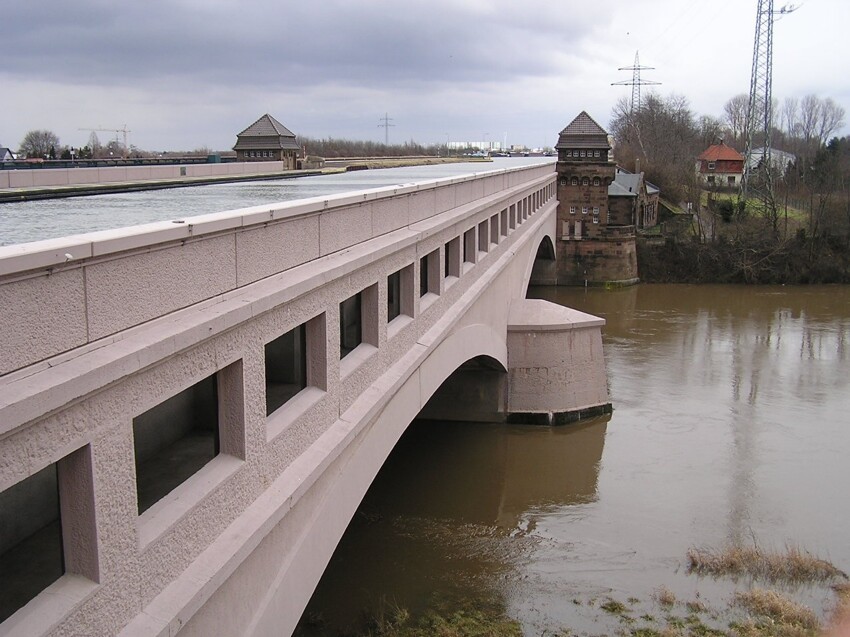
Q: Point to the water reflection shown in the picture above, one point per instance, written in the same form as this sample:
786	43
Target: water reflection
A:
729	423
449	514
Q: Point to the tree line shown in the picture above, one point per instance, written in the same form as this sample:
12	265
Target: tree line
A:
797	230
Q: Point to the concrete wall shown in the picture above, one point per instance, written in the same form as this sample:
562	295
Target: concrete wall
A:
113	174
133	317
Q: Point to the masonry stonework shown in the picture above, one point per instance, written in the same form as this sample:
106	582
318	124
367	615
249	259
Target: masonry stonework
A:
599	207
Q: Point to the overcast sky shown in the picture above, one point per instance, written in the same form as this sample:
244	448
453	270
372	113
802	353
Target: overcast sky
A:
184	74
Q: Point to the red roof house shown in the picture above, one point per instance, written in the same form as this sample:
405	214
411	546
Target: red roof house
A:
721	165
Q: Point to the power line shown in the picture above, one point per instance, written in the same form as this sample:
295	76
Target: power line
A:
386	126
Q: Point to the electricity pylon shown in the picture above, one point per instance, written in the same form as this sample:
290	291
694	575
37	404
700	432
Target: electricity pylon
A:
760	106
636	82
386	119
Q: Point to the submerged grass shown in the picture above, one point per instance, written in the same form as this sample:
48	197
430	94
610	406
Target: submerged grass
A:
777	610
757	612
792	566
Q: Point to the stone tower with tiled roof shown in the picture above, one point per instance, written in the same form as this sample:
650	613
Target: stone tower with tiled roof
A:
595	244
267	140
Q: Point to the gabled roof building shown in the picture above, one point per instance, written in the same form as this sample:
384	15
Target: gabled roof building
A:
267	140
721	165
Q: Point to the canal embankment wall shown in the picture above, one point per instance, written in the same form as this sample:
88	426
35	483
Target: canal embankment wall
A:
49	183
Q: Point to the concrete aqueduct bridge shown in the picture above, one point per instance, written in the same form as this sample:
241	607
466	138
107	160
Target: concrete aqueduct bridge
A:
191	411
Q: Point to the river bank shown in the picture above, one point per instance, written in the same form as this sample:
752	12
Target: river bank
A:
753	261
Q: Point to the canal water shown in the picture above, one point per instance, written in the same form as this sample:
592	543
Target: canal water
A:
730	425
25	221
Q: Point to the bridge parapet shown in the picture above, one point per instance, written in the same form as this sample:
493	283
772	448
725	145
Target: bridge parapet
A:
91	286
296	328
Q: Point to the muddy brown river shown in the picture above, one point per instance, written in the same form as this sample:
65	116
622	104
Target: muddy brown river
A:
731	424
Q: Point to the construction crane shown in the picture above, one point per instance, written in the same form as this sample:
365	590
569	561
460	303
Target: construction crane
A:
124	130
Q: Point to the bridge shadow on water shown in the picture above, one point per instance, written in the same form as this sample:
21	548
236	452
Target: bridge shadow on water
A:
449	517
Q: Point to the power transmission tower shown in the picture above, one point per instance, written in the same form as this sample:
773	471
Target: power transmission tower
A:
760	107
386	126
636	82
634	106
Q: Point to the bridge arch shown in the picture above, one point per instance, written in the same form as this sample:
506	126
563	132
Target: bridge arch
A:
542	267
312	528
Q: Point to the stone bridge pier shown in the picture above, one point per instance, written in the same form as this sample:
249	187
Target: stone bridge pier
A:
191	411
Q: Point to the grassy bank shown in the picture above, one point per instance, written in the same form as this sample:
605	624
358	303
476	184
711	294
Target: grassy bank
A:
752	610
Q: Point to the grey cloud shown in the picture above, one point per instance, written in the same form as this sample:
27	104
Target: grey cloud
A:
380	44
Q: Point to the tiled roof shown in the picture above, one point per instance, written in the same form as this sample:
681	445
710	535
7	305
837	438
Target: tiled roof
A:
583	132
266	133
265	126
721	151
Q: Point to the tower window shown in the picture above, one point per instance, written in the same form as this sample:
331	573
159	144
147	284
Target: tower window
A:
596	181
574	181
585	181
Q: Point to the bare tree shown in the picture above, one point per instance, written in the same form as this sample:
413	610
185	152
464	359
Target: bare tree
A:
37	143
710	129
94	145
735	116
789	116
831	118
664	133
810	107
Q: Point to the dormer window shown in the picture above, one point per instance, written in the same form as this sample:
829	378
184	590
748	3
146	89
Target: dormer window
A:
582	153
711	165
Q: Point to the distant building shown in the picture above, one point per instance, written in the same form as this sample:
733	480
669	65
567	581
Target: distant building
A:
267	140
779	158
600	207
721	166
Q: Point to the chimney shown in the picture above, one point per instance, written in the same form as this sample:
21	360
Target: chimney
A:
637	166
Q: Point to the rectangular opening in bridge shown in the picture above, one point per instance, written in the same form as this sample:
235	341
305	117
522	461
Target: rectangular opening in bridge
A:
400	293
358	328
178	437
513	216
286	367
452	258
503	225
46	530
483	238
429	274
469	249
494	229
350	325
